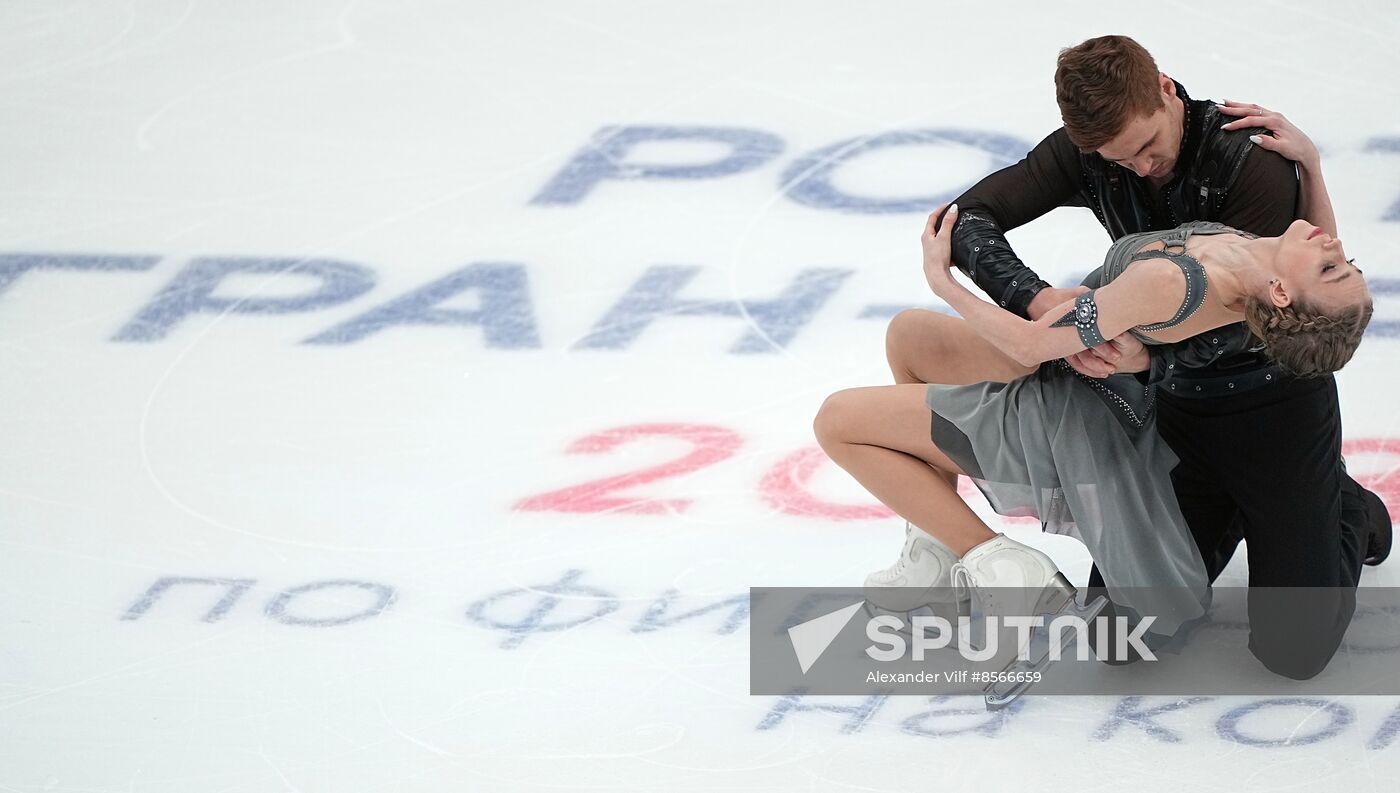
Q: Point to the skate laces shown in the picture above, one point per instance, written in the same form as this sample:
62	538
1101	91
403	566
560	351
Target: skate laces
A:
962	581
905	556
965	587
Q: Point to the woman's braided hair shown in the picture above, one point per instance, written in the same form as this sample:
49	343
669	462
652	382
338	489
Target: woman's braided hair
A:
1305	341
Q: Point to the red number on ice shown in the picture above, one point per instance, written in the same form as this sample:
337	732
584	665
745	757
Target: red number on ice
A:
785	488
712	444
1382	477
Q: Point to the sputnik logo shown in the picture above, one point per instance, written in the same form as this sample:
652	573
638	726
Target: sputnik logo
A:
811	638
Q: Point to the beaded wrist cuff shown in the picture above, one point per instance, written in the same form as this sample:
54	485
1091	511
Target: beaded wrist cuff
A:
1085	319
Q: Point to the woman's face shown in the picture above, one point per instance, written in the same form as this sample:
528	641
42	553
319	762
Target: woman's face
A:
1312	266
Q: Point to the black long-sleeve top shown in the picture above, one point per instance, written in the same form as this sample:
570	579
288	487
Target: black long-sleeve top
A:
1263	200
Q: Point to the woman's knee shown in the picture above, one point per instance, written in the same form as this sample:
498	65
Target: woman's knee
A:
832	422
922	346
911	329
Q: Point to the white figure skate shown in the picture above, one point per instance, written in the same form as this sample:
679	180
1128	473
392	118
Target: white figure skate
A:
1005	577
922	577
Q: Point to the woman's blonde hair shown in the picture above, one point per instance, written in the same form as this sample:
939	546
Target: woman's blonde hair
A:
1305	341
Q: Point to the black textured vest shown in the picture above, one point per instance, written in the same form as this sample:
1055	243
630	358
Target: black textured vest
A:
1206	168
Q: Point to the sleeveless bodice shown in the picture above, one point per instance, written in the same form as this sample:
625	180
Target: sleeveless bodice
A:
1128	250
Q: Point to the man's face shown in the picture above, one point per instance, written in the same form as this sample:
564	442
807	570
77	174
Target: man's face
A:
1148	146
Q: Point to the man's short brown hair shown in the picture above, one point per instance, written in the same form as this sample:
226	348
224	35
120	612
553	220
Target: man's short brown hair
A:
1103	84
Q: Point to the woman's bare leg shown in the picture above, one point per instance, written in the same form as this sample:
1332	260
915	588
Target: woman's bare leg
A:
924	346
880	436
927	347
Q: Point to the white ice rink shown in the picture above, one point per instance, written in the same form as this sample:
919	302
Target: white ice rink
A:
398	395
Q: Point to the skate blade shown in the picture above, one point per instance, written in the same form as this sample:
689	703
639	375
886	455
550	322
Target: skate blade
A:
998	695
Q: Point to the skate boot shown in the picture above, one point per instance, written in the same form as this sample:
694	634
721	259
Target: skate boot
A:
1379	531
1005	578
922	577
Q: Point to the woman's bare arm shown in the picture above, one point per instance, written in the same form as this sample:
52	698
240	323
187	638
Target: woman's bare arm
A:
1148	292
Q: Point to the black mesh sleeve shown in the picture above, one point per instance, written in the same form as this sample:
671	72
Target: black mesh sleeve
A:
1264	199
1047	178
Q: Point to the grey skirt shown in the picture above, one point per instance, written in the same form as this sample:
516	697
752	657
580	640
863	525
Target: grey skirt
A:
1054	446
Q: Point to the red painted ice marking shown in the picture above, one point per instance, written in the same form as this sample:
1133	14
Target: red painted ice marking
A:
785	487
711	445
1381	473
968	491
973	496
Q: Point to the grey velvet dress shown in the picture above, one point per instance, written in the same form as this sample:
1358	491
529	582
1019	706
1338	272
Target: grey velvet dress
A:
1083	455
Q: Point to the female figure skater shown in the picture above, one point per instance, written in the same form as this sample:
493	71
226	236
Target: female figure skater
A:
1079	453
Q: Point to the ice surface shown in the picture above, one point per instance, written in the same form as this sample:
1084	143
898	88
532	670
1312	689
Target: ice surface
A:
301	311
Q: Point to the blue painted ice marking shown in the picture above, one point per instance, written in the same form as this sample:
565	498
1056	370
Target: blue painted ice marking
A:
1391	145
813	602
1384	286
773	322
1387	732
859	715
657	614
1228	727
237	588
548	598
13	265
808	179
506	314
192	292
991	724
606	158
277	607
1129	711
